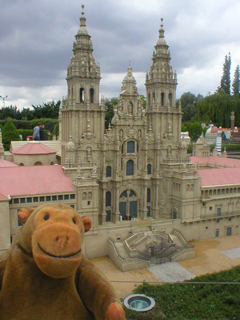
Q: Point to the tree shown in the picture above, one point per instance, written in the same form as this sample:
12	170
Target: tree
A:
109	105
194	129
10	112
236	82
9	133
189	106
225	81
47	110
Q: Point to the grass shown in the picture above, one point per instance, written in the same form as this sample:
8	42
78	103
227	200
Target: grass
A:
191	301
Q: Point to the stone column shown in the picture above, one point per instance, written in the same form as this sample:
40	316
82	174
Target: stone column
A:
117	212
104	215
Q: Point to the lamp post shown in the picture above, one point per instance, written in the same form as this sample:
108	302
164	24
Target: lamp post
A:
3	99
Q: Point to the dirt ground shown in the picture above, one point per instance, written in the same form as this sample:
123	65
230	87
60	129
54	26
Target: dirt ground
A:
208	259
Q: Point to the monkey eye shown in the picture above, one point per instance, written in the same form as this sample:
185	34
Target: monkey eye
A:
74	220
46	217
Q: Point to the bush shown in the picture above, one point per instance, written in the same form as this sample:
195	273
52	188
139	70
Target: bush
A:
9	134
197	300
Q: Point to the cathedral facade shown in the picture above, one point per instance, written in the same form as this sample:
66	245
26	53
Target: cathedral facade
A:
136	173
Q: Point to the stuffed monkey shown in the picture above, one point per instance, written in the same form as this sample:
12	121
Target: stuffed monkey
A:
44	276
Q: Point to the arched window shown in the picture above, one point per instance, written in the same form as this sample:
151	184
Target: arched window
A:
108	199
81	92
148	195
162	99
130	168
130	108
91	95
149	169
89	195
149	97
131	147
174	214
38	163
84	196
170	99
108	172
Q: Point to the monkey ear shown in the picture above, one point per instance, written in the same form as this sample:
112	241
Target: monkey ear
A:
24	214
87	223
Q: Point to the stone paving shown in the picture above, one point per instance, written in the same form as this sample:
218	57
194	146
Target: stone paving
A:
171	272
210	256
233	253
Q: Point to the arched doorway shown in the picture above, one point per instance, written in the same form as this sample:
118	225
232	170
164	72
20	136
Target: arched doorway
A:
128	204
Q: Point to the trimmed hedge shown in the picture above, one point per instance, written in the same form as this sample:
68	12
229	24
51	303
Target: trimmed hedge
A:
24	124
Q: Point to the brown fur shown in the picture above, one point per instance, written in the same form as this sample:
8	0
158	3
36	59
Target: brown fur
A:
45	276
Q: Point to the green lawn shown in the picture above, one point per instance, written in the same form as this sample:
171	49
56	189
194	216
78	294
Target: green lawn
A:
194	301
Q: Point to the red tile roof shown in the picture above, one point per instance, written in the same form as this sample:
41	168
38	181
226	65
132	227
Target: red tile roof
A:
219	177
218	161
16	181
6	164
3	197
34	148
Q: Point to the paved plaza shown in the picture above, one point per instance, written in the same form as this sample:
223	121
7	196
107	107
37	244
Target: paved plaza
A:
210	256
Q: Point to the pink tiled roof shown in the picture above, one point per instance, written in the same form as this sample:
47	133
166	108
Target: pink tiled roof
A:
16	181
3	197
218	177
219	161
6	164
34	148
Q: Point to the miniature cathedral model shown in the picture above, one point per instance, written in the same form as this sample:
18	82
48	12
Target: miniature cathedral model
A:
138	167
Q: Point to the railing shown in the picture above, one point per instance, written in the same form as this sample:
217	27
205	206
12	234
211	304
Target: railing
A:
181	238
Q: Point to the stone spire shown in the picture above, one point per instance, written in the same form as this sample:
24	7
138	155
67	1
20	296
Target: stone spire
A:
82	29
161	41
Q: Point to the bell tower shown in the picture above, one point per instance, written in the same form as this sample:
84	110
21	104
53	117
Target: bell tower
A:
81	114
161	83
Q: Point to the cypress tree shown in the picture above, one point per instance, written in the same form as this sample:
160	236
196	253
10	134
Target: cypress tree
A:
9	133
236	82
225	81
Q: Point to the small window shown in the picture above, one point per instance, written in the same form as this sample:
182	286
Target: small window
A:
108	172
148	195
29	200
91	95
130	168
217	232
229	231
22	200
108	217
131	147
60	197
84	196
88	203
41	199
219	211
204	204
210	208
206	228
19	223
15	200
48	198
108	199
35	199
54	198
149	169
72	206
72	196
66	197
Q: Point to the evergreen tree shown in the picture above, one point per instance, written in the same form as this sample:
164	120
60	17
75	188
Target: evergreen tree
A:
225	81
9	133
236	82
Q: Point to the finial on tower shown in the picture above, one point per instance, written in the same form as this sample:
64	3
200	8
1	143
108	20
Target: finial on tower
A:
161	22
82	9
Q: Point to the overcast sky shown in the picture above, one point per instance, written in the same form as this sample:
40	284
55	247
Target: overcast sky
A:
36	39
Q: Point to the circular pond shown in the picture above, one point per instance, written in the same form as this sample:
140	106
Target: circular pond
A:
139	302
